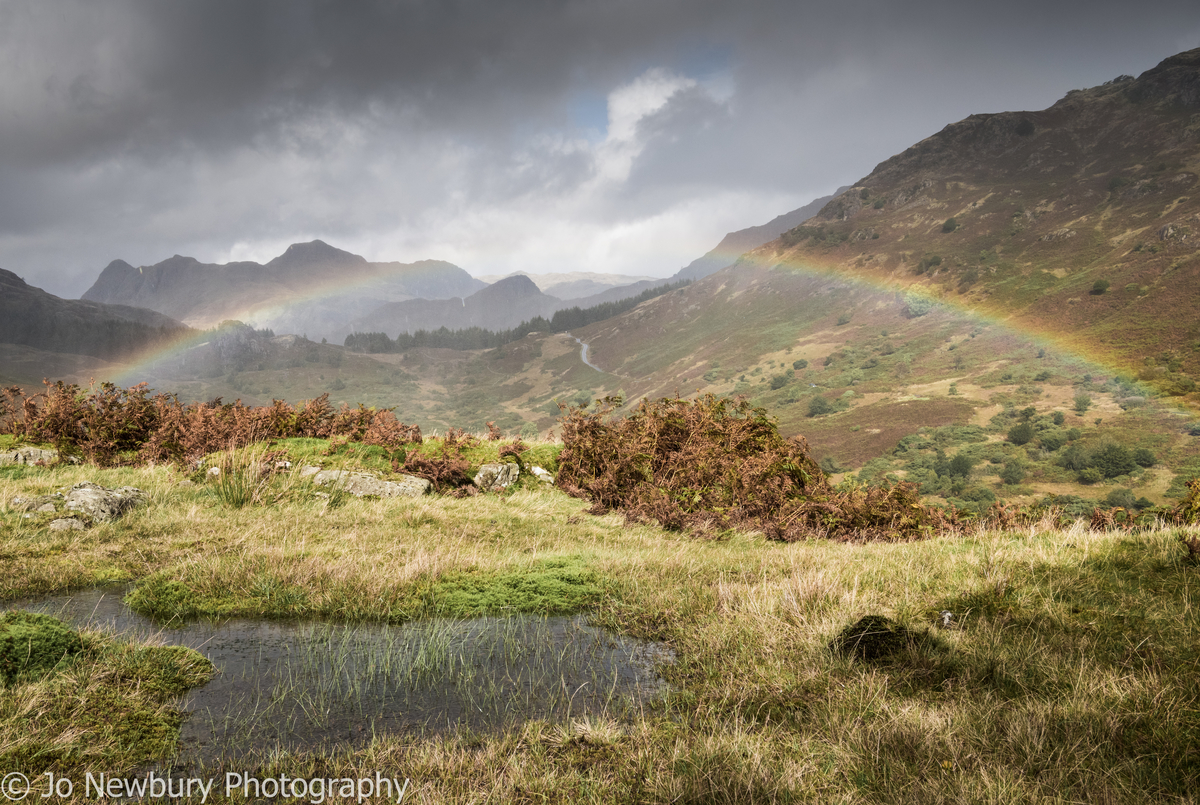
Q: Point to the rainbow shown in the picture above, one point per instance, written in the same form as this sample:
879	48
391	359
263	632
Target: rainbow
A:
1044	337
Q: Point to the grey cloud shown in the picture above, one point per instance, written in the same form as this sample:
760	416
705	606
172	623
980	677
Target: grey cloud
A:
141	128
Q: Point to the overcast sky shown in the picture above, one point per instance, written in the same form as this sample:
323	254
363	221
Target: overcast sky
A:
581	135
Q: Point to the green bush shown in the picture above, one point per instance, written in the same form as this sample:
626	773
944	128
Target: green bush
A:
1021	433
1013	473
1143	457
1082	403
818	406
1074	458
1058	417
1122	499
32	644
1051	440
1090	475
800	364
961	465
950	225
1100	286
1113	460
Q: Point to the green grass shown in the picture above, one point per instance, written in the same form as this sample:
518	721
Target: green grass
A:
112	705
1067	674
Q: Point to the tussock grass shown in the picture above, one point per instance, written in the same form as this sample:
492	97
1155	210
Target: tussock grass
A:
1067	673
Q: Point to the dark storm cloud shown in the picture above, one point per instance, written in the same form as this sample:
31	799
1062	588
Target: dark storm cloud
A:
476	129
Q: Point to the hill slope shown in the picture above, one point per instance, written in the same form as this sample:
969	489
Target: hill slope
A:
1080	222
735	244
30	317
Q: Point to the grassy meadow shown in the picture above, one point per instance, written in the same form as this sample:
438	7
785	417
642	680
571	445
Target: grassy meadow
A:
1067	673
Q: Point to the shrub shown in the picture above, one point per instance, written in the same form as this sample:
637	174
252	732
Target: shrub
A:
1051	440
1121	499
819	406
1113	460
800	364
1099	287
110	425
1074	458
1021	433
1143	457
1058	417
1013	473
950	225
1090	475
917	305
779	381
961	465
1082	403
714	463
843	319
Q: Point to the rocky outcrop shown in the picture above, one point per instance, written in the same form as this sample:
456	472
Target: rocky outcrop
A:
494	477
28	455
101	503
97	503
360	484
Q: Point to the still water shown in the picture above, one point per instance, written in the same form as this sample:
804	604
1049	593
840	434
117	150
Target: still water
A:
305	685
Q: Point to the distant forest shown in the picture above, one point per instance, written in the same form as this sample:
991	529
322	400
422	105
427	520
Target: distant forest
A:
479	338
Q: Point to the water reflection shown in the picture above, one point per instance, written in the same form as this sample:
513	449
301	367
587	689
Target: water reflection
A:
316	685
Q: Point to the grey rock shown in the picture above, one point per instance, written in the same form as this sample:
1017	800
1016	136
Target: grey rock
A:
542	475
28	455
67	524
101	503
37	504
360	484
307	471
46	508
495	477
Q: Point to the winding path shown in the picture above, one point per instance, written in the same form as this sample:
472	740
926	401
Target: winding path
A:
583	355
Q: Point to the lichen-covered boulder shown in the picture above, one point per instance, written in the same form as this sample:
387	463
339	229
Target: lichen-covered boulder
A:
494	477
28	455
32	644
101	503
361	484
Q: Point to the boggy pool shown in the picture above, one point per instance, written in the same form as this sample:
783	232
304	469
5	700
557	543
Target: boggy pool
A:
309	685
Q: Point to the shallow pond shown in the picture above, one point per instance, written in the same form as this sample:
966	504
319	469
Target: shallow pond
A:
310	684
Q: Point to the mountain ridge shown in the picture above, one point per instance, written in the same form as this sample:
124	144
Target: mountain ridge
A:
311	287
